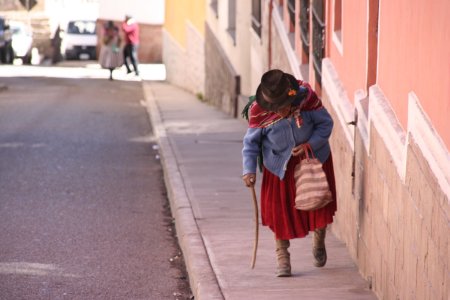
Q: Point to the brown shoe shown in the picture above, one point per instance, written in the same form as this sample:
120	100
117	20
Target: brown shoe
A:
283	258
319	250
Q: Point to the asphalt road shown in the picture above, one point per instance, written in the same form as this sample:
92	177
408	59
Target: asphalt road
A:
83	209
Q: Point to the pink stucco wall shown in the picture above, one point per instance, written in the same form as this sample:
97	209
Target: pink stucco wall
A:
352	65
414	55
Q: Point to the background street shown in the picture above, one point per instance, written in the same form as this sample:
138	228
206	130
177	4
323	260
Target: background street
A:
83	208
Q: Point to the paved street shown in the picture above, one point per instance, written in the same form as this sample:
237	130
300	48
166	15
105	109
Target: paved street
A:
83	207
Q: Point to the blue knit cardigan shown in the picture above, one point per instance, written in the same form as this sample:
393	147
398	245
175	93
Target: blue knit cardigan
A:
278	140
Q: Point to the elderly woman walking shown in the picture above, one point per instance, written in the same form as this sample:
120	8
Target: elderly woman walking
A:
287	118
110	54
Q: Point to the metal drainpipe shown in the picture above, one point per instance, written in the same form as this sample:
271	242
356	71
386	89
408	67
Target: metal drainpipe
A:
355	124
237	91
269	50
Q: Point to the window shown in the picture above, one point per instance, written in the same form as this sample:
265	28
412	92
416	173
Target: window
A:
304	25
338	19
291	10
256	16
232	19
318	32
214	5
81	27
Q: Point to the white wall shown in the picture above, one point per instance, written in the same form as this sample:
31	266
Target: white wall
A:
60	12
243	39
238	52
144	11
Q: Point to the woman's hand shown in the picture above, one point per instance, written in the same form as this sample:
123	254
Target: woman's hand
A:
249	179
298	150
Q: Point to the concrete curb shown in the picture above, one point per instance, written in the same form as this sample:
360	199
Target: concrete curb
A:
202	278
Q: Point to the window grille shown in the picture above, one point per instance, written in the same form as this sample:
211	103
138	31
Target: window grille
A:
304	25
291	10
318	37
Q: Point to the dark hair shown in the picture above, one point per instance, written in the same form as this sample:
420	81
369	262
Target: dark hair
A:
110	24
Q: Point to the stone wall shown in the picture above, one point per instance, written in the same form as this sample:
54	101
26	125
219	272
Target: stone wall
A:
221	80
8	5
174	58
402	229
195	56
396	226
185	67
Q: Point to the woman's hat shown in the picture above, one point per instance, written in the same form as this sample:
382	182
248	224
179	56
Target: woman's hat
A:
277	89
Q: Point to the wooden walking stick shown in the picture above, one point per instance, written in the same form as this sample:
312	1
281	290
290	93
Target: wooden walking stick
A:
255	245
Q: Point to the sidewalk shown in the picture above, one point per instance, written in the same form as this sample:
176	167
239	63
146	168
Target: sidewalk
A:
200	148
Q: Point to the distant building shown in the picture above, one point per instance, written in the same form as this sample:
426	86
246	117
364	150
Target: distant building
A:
149	15
382	69
47	16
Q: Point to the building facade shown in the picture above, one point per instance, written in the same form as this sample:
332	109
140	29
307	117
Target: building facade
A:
184	44
382	70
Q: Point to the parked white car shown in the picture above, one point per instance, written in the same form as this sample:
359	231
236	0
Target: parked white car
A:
22	41
79	40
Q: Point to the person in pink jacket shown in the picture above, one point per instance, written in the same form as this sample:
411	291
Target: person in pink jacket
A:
131	31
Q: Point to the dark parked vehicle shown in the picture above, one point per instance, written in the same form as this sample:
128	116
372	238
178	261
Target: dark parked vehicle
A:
6	49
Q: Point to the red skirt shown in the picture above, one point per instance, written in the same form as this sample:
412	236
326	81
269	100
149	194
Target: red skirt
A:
278	204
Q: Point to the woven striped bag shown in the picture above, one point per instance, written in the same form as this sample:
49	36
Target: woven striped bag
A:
311	186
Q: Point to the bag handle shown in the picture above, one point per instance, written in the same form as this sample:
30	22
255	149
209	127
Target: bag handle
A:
309	153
